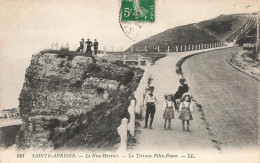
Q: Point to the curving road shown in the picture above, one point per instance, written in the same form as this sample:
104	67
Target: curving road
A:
165	80
229	97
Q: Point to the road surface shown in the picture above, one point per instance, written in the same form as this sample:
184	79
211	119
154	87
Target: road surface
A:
228	97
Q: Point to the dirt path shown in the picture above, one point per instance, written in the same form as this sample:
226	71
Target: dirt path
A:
166	80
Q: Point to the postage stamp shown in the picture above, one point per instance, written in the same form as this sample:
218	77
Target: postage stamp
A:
138	10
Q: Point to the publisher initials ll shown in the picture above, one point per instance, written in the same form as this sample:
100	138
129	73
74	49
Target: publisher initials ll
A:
191	156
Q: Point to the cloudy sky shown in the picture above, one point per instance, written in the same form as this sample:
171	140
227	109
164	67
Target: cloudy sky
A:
28	26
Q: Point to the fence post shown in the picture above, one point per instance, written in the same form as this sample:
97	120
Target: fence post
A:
124	61
196	47
138	97
131	124
149	70
185	48
181	48
144	48
199	47
122	131
158	48
176	48
192	47
188	47
145	77
168	49
139	61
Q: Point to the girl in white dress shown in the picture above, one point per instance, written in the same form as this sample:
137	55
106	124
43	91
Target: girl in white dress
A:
185	110
168	109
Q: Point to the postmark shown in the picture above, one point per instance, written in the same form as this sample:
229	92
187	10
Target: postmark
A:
133	17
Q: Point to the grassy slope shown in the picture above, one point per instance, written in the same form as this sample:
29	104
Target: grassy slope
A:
188	34
214	30
224	25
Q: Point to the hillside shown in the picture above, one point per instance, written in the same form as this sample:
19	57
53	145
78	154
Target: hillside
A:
219	29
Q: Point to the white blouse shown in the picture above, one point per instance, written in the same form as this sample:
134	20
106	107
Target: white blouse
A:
170	103
149	98
186	104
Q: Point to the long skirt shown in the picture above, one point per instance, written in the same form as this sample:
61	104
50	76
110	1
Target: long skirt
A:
185	115
168	113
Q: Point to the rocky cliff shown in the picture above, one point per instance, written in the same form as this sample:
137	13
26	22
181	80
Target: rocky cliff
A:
74	101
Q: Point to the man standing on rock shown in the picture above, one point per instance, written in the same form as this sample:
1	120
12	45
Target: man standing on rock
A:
89	44
150	101
95	46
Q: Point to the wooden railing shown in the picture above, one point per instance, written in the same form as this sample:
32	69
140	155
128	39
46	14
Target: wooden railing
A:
134	108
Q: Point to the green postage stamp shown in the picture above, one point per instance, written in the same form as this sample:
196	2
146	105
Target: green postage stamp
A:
138	10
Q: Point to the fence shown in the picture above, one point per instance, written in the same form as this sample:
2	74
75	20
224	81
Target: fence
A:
182	48
126	58
134	108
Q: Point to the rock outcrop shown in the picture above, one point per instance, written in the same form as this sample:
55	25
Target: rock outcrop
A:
74	101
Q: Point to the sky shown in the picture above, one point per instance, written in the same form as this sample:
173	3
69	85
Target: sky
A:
29	26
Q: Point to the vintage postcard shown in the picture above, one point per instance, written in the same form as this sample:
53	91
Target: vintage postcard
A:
129	80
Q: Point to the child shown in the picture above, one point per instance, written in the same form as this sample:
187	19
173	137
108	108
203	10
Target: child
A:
150	101
185	110
168	110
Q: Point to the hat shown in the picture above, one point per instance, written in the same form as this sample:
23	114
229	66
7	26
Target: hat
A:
151	87
168	94
184	95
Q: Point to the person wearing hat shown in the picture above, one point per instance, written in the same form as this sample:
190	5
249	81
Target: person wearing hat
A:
168	109
150	101
183	88
81	45
185	110
95	46
89	44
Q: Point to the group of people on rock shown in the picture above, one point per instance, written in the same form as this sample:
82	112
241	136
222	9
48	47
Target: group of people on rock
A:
180	101
89	44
